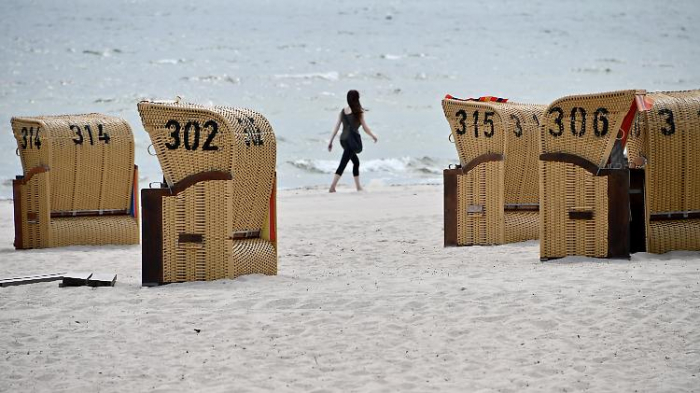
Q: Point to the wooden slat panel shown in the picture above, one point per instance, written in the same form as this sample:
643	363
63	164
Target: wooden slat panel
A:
618	214
581	215
190	238
152	232
450	206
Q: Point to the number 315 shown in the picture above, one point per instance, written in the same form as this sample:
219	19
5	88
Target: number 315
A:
488	121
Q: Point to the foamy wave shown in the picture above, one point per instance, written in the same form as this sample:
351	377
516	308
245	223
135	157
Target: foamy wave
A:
329	76
389	56
315	166
213	79
403	165
168	61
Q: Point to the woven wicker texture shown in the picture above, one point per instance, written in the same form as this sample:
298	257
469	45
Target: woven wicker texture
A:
253	167
173	127
244	145
476	127
637	142
85	175
521	226
205	209
483	191
568	188
522	129
35	200
66	231
672	178
91	168
585	126
480	219
665	236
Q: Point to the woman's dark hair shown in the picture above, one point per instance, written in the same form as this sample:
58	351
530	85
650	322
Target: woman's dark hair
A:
354	103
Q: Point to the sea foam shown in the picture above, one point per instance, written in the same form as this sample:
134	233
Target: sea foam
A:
401	165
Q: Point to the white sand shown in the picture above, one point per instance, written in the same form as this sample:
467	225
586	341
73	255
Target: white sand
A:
366	299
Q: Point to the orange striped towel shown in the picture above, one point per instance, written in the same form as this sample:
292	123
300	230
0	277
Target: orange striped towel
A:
641	103
480	99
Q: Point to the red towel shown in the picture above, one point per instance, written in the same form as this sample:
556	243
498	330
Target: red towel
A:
641	103
480	99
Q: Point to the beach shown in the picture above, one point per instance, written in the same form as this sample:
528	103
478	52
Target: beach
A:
294	63
366	299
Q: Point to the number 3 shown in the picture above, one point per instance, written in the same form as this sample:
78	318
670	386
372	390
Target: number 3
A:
79	132
669	121
462	121
175	134
557	121
518	131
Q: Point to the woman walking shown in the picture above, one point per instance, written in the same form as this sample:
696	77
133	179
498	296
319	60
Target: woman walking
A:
351	117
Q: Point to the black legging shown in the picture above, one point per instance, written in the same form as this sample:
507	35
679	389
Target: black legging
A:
349	155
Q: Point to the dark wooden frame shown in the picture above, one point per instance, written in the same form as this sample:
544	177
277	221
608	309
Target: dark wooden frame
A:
17	201
637	211
488	157
521	207
581	215
450	205
689	215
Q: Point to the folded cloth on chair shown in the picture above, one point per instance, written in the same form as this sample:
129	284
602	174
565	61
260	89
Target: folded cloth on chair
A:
480	99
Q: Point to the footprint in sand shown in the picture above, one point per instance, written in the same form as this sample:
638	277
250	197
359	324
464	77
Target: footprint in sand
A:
413	305
281	303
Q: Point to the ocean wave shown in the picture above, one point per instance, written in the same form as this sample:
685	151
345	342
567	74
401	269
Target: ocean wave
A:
389	56
102	53
329	76
364	75
213	79
168	61
403	165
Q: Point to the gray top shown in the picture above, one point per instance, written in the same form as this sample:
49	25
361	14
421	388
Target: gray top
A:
350	124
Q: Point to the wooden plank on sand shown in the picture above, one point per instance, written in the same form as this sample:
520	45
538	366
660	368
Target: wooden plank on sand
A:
75	279
102	280
6	282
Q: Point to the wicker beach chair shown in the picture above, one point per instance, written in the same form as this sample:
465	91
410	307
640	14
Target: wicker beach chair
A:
668	138
585	202
79	182
214	215
493	196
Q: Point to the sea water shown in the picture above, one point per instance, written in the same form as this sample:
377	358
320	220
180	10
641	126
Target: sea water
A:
294	61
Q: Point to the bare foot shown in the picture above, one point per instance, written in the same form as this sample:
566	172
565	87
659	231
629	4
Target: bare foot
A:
331	190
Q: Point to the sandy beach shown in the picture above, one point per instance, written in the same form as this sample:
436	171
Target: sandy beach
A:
366	299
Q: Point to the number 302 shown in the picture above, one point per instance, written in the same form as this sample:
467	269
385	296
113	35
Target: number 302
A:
191	127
